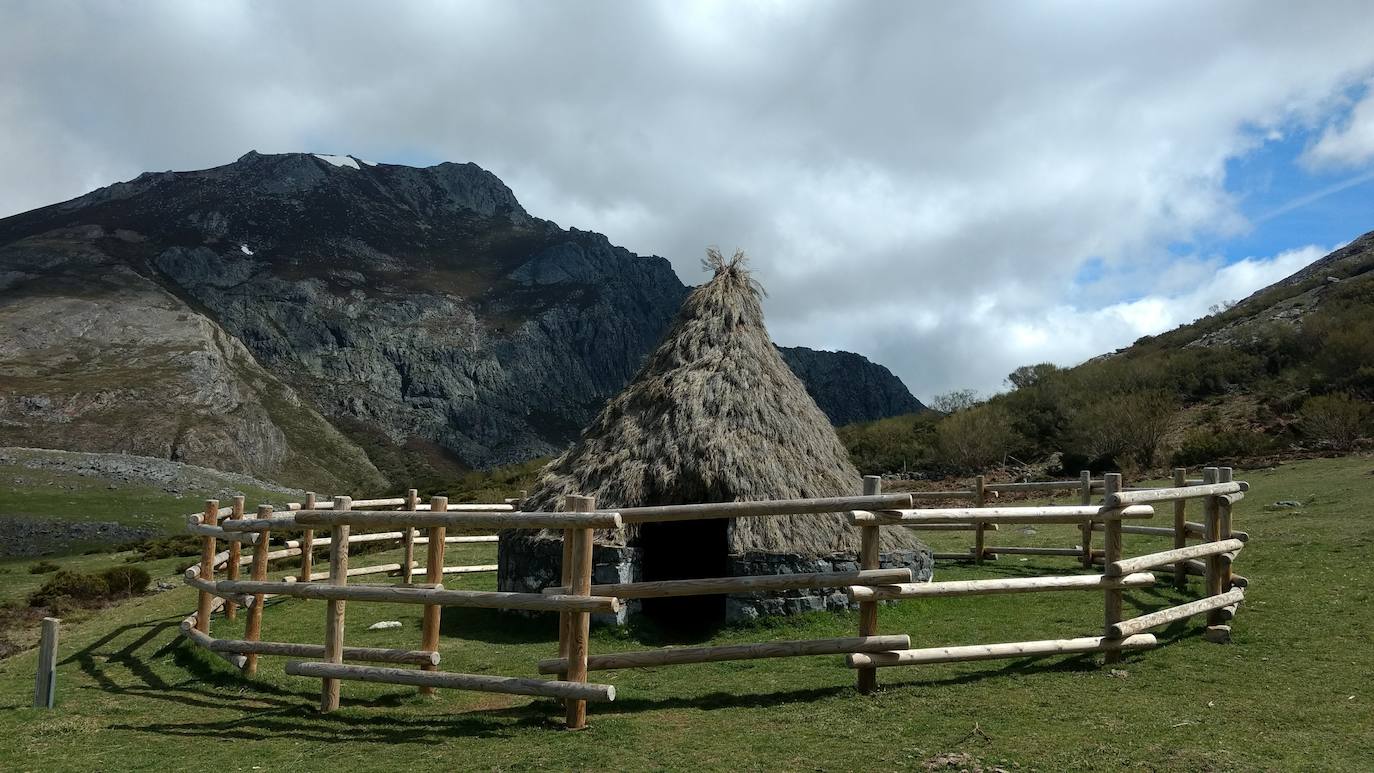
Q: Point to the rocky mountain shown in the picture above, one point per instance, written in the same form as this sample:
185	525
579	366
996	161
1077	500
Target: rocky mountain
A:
848	387
325	321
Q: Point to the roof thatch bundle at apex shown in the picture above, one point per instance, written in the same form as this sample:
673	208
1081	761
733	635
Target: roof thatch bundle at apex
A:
714	415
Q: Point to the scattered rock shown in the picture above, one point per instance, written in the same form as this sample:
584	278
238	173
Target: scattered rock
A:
1287	503
384	625
1117	673
1218	634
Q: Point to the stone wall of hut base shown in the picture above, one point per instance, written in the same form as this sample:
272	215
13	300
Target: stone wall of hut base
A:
529	565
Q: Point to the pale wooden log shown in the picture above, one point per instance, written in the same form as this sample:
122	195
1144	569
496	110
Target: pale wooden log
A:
434	573
199	518
1128	528
1225	475
209	586
969	526
917	496
1112	547
1180	530
1227	612
276	523
1015	550
384	518
219	533
360	571
564	618
664	513
1020	649
1040	485
461	540
997	586
45	681
207	567
288	649
1045	514
472	507
334	615
233	559
1217	634
1148	496
408	540
396	594
579	623
1165	616
870	559
1200	530
965	556
307	542
1194	568
1085	498
980	499
477	569
1213	583
1152	560
253	627
1232	499
676	656
766	582
478	682
387	502
203	640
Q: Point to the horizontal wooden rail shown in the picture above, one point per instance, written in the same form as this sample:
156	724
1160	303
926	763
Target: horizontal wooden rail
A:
1151	560
209	587
764	582
1042	485
360	571
939	495
474	569
473	507
676	656
275	523
218	533
1017	550
461	540
1164	616
289	649
375	518
410	595
1020	649
990	587
951	526
1048	514
479	682
202	640
1123	498
664	513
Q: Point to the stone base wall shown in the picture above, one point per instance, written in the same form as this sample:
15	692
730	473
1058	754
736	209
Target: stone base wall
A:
743	607
529	566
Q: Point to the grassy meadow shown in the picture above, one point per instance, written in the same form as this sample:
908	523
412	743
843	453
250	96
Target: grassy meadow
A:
1290	693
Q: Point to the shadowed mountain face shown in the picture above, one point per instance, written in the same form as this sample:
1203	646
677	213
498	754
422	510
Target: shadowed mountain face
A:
313	319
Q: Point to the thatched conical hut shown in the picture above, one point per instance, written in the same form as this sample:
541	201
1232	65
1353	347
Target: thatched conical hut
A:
714	415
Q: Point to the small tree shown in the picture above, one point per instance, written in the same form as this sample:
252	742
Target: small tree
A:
1125	427
976	438
1335	421
953	402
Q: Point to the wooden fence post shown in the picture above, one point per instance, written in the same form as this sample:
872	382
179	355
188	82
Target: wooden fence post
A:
565	580
1085	497
207	567
1111	544
1223	531
870	557
980	498
408	559
1181	529
45	684
434	573
252	630
579	625
308	543
235	553
334	616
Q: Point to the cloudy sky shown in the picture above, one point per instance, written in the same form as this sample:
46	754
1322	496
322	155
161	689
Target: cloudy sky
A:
950	189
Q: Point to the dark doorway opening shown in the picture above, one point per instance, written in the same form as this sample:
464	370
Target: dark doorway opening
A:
685	550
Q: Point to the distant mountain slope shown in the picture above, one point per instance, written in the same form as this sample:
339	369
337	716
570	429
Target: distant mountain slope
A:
848	387
228	316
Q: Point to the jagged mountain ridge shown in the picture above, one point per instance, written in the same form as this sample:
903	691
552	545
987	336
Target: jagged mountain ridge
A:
421	310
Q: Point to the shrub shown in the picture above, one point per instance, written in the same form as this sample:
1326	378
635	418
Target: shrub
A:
43	567
164	547
1125	427
74	585
126	580
1204	445
1335	421
976	438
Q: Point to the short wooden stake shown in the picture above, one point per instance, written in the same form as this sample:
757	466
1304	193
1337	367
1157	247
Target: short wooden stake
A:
870	557
579	628
1180	527
1212	527
207	567
1112	552
253	628
231	608
308	543
1085	497
434	573
334	616
408	561
980	498
1223	531
45	684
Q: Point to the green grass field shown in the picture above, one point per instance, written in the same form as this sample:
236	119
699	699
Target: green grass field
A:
1290	693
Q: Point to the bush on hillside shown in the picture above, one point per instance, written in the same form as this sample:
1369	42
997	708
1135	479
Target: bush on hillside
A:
977	438
126	580
1127	428
164	547
1335	421
1211	446
71	585
43	567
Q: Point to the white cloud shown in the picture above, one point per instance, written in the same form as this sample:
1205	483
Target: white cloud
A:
921	183
1349	143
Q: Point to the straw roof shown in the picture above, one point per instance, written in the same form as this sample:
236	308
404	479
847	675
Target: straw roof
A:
715	415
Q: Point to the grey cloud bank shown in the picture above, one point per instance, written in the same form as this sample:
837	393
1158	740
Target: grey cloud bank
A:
919	183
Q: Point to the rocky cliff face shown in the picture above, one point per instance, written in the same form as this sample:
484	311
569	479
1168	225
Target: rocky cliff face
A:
233	317
848	387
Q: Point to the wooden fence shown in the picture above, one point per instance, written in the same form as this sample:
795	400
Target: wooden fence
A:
576	598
